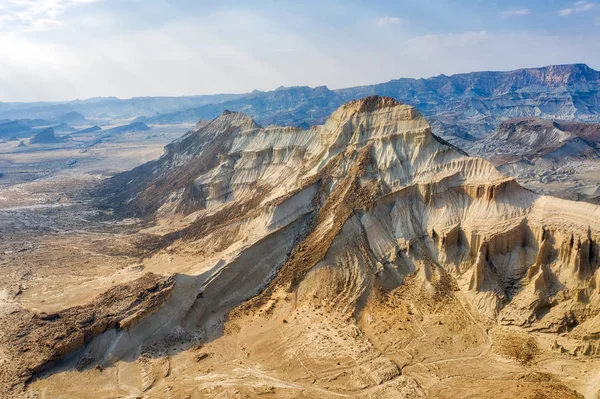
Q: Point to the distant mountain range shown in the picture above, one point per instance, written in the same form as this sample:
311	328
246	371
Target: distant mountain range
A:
475	103
460	106
109	107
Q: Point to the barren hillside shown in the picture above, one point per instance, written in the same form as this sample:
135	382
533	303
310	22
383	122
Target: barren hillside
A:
364	257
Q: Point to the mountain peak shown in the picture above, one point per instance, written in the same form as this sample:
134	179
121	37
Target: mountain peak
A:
371	103
236	118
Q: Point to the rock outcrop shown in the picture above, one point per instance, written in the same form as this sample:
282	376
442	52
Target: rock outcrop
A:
45	136
374	175
34	341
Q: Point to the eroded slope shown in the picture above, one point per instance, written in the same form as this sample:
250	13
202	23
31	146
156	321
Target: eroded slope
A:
364	258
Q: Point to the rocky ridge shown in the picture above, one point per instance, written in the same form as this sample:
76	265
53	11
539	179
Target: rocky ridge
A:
375	172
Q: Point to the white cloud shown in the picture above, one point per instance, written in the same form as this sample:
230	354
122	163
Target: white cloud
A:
516	13
388	21
169	61
577	8
99	54
34	15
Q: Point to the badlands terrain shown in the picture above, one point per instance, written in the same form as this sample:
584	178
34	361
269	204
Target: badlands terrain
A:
550	157
362	258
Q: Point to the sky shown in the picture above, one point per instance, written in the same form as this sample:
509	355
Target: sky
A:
57	50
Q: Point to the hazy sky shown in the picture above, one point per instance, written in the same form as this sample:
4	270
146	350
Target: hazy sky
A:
67	49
